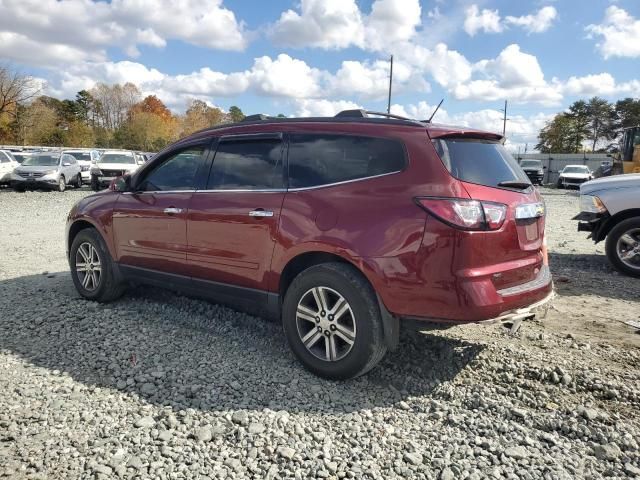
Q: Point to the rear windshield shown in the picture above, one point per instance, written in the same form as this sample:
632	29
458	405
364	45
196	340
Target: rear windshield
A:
484	162
86	156
575	170
531	164
42	160
116	158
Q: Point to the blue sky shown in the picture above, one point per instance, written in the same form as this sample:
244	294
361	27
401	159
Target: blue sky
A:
310	57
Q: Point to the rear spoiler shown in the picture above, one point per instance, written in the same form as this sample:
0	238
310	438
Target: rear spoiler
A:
470	134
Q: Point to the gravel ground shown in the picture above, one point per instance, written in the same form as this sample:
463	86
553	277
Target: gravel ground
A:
157	385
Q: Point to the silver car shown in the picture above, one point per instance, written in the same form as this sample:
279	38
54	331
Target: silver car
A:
610	209
52	170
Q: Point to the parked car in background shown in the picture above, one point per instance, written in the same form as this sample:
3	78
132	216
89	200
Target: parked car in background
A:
574	176
610	209
85	158
7	164
53	170
342	227
534	170
112	164
21	156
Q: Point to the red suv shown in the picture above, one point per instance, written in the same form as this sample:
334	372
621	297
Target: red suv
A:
342	227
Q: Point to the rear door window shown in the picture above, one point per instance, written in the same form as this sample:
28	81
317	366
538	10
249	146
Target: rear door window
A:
323	159
484	162
248	163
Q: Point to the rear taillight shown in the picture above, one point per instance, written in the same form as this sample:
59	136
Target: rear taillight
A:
465	214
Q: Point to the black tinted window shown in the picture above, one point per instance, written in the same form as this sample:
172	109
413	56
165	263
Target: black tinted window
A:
479	161
324	159
178	172
247	164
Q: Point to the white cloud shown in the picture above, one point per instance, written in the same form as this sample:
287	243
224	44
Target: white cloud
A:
620	34
18	47
486	20
512	75
539	22
601	84
321	23
336	24
322	107
88	28
447	67
285	76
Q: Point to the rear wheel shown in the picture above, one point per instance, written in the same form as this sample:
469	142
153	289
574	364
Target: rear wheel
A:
623	247
92	268
78	182
332	321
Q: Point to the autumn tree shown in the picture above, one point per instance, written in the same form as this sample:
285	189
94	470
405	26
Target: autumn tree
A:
153	105
199	115
15	89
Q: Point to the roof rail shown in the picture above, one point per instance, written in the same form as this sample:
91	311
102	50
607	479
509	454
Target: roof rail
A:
367	113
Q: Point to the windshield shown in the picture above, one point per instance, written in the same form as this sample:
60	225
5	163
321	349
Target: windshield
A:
531	164
479	161
116	158
42	160
575	170
85	156
20	157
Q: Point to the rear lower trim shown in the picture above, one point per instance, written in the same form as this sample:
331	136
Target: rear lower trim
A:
543	279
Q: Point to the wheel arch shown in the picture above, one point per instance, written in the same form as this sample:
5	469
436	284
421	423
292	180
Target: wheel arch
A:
614	220
82	224
302	261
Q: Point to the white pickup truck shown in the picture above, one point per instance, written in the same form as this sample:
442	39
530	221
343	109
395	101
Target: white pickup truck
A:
610	209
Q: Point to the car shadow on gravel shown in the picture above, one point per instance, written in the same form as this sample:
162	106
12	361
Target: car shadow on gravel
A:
591	274
183	353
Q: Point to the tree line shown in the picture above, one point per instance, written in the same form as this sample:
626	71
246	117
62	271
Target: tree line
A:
106	116
589	125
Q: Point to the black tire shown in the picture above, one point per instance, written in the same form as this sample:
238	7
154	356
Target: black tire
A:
62	184
108	287
368	346
19	189
95	185
78	182
612	243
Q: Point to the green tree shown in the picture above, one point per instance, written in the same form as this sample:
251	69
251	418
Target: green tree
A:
85	106
579	115
558	135
602	121
236	114
627	113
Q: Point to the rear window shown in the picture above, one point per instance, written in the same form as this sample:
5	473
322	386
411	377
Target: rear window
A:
323	159
531	164
484	162
85	156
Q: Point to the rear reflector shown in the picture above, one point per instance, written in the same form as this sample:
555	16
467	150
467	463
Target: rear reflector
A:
465	214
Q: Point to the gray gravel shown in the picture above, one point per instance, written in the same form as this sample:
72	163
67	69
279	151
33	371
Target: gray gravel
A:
157	385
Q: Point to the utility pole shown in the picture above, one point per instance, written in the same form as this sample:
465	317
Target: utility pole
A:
504	121
390	83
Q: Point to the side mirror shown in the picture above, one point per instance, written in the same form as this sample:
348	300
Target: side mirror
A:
120	184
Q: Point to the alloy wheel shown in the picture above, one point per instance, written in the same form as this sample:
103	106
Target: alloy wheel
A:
62	185
628	248
326	324
88	266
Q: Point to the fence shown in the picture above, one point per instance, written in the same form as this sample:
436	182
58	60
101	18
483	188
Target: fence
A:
553	163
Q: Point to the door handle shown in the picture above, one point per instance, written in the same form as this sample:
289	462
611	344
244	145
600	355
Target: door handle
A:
260	213
172	210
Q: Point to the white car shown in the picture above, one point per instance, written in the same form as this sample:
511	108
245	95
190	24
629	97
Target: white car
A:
7	166
112	164
574	176
85	158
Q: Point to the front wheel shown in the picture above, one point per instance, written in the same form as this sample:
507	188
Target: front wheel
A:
623	247
62	184
92	269
78	182
332	321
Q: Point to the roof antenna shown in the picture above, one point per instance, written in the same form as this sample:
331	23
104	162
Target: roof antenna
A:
435	111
